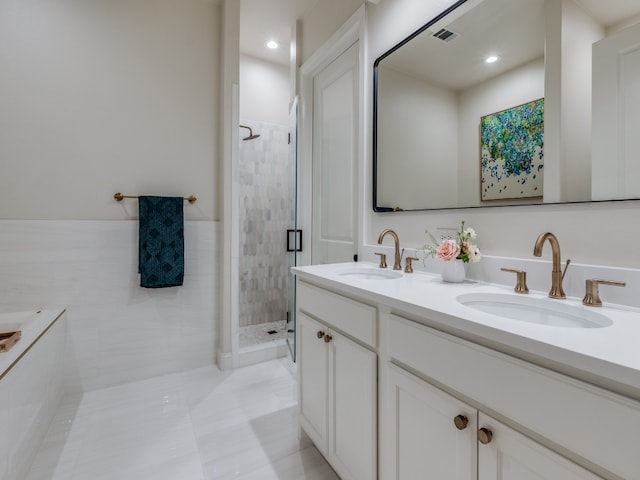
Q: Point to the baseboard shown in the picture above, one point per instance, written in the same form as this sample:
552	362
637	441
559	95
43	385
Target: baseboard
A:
262	353
225	361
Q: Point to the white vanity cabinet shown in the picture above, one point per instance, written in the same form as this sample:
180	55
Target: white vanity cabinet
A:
543	424
444	380
509	455
337	379
435	435
423	440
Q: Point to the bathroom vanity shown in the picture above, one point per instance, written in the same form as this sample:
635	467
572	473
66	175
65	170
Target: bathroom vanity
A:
401	376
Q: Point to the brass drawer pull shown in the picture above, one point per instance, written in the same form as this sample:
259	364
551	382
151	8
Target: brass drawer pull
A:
461	422
485	435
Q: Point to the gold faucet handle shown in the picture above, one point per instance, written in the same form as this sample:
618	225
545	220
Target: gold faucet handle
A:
408	268
521	280
383	259
592	295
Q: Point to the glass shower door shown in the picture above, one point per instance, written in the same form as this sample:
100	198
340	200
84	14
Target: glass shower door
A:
294	236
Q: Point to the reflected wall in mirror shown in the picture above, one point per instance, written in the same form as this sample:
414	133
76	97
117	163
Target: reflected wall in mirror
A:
432	89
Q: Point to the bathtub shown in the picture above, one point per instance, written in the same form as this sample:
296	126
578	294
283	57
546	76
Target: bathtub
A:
33	324
10	322
31	386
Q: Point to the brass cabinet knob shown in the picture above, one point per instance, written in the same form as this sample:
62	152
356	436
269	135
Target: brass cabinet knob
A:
461	422
327	338
320	334
485	435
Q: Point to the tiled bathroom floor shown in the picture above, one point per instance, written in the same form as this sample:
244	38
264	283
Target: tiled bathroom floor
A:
201	424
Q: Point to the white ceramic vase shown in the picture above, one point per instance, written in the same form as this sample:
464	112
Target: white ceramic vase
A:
453	271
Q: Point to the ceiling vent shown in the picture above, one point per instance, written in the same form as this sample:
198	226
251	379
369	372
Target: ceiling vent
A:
446	35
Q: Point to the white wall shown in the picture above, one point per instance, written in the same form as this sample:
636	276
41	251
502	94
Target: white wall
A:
118	331
586	231
326	17
616	98
441	151
106	96
99	97
264	91
579	32
418	143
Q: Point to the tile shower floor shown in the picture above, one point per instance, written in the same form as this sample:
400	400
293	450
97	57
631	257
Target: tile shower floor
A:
200	424
259	334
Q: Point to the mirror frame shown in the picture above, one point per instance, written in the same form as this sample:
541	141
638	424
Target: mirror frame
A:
379	209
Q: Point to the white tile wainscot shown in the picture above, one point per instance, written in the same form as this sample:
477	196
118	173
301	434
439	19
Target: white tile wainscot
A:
118	332
31	388
487	396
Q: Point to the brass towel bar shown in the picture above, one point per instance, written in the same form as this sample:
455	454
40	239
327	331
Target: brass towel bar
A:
119	197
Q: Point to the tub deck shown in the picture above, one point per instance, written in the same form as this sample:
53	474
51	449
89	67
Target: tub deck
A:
32	325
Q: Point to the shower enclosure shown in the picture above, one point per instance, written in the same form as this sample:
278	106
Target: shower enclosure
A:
264	212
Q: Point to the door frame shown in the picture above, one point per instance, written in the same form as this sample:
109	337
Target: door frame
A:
351	32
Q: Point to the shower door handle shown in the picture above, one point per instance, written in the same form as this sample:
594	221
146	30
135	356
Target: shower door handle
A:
294	240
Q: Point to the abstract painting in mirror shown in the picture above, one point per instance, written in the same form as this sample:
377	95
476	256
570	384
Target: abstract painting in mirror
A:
432	90
512	152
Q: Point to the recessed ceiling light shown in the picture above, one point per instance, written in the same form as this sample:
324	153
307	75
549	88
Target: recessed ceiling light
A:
272	44
491	59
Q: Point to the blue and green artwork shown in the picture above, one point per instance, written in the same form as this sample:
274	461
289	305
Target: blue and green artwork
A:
512	159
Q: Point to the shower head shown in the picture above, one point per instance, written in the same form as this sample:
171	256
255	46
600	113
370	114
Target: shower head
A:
251	135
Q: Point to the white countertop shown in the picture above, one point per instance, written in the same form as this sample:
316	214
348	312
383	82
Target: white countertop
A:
608	356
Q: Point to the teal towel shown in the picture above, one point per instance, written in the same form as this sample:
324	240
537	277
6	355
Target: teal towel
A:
161	242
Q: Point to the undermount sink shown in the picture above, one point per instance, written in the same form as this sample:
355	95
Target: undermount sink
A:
367	273
534	310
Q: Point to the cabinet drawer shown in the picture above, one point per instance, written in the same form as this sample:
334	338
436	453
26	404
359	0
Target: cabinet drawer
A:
593	425
349	316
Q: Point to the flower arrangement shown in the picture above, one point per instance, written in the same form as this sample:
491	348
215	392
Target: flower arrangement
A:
459	248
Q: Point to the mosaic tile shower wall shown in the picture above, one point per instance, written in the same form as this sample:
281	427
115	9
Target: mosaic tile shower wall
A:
264	212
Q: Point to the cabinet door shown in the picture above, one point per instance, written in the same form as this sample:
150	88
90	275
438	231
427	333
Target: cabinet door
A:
510	455
313	380
428	444
352	409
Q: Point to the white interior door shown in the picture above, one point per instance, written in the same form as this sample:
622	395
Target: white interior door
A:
335	154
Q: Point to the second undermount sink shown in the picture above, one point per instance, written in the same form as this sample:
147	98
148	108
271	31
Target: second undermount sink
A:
370	273
540	311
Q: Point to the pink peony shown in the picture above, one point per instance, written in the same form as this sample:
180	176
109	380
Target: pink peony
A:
448	250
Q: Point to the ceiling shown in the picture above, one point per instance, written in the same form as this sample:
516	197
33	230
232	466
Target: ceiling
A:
262	20
510	29
611	12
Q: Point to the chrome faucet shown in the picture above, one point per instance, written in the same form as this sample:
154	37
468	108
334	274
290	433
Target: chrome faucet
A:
556	273
396	261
